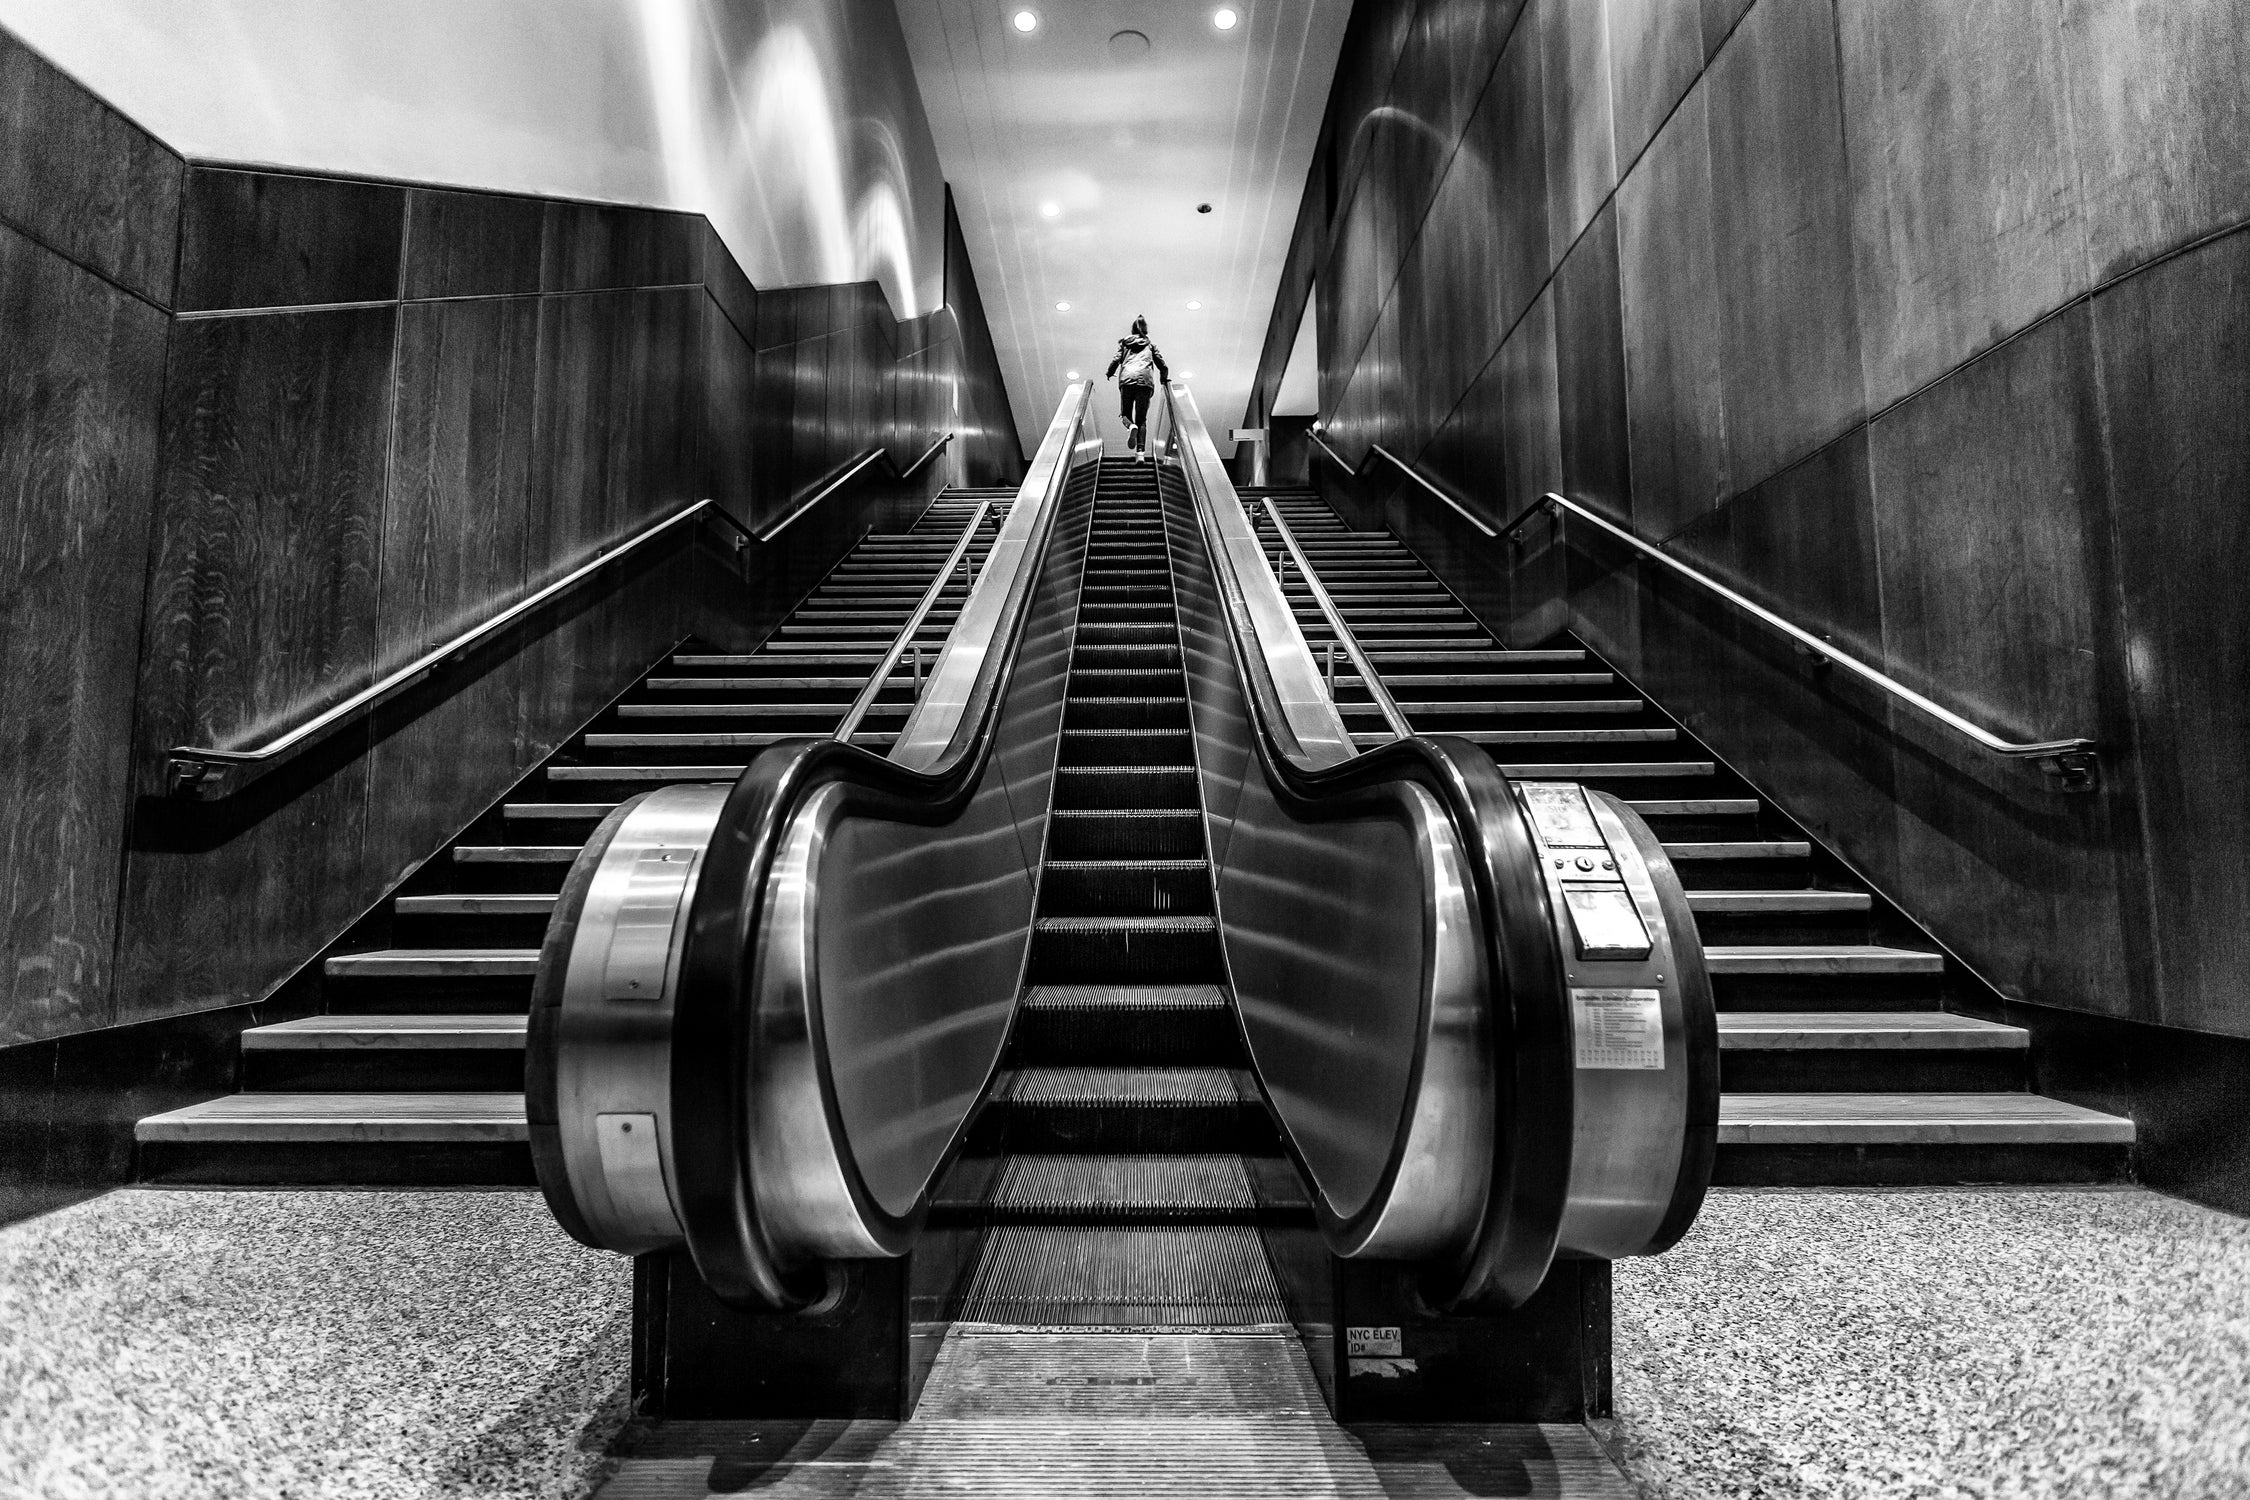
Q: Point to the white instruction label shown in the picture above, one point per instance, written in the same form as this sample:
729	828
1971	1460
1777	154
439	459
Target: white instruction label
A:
1372	1343
1618	1028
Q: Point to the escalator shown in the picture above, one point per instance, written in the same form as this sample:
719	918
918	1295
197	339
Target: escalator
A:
1127	992
1124	1161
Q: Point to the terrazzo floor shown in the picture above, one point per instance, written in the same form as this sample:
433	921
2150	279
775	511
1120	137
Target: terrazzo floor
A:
1834	1344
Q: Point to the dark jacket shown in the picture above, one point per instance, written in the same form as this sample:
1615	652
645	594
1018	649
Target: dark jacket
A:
1132	344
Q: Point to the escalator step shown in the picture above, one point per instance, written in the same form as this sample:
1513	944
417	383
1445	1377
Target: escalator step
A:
1121	1186
1212	1275
1125	834
1109	1088
1128	747
1151	950
1126	887
1126	787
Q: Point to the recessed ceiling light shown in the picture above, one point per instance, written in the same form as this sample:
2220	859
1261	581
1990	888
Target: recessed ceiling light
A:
1187	374
1072	375
1062	307
1195	307
1049	210
1025	20
1225	18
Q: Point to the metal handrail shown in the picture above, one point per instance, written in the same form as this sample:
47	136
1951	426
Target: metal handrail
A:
1367	674
905	638
207	772
1412	473
849	472
2074	763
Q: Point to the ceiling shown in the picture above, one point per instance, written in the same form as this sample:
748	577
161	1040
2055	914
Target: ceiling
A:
1122	142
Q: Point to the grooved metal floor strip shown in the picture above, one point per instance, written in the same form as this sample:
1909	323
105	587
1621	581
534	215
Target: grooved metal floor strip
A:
1209	1274
1014	1412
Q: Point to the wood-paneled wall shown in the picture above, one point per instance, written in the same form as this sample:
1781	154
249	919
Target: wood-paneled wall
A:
265	436
1923	323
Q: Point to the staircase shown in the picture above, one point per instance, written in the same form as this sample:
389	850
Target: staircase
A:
1123	1162
416	1073
1839	1060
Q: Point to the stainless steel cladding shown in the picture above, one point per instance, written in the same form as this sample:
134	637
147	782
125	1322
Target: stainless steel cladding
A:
1445	1035
1639	995
765	1012
614	987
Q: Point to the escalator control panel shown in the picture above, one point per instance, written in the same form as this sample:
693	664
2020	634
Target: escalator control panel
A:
1606	922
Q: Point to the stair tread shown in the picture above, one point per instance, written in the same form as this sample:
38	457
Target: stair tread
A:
389	1033
1820	958
342	1117
1913	1118
474	904
1901	1031
1126	924
1739	849
430	962
1746	902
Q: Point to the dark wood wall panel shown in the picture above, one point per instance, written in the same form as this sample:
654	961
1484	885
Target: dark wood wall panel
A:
2177	378
1862	304
472	244
381	414
83	180
269	239
79	382
261	609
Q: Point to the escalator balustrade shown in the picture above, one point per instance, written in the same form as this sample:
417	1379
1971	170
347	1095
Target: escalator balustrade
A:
766	1012
1843	1056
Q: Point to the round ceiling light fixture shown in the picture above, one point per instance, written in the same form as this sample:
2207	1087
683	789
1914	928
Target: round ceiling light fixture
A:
1062	307
1049	210
1195	307
1226	18
1026	21
1072	375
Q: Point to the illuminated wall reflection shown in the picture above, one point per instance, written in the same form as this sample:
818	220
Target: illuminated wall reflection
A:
795	125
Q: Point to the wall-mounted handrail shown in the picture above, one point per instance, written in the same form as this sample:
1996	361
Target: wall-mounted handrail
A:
1410	472
845	476
1343	632
2073	763
905	638
207	773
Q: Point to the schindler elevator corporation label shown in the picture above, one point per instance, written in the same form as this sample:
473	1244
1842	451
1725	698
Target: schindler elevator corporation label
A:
1618	1028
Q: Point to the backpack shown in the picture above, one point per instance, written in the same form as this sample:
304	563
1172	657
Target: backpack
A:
1139	367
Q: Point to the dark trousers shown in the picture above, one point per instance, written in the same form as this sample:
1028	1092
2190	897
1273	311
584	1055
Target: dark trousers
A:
1133	406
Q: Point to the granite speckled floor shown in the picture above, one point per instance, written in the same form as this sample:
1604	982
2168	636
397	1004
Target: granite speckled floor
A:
191	1344
1797	1344
1930	1342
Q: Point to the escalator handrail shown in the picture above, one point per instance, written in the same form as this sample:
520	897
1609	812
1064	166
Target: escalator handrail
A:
208	772
713	1038
1528	1192
2074	762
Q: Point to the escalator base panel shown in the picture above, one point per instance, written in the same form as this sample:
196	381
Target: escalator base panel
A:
1207	1276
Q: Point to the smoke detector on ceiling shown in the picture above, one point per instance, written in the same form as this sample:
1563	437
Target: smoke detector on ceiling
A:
1129	46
